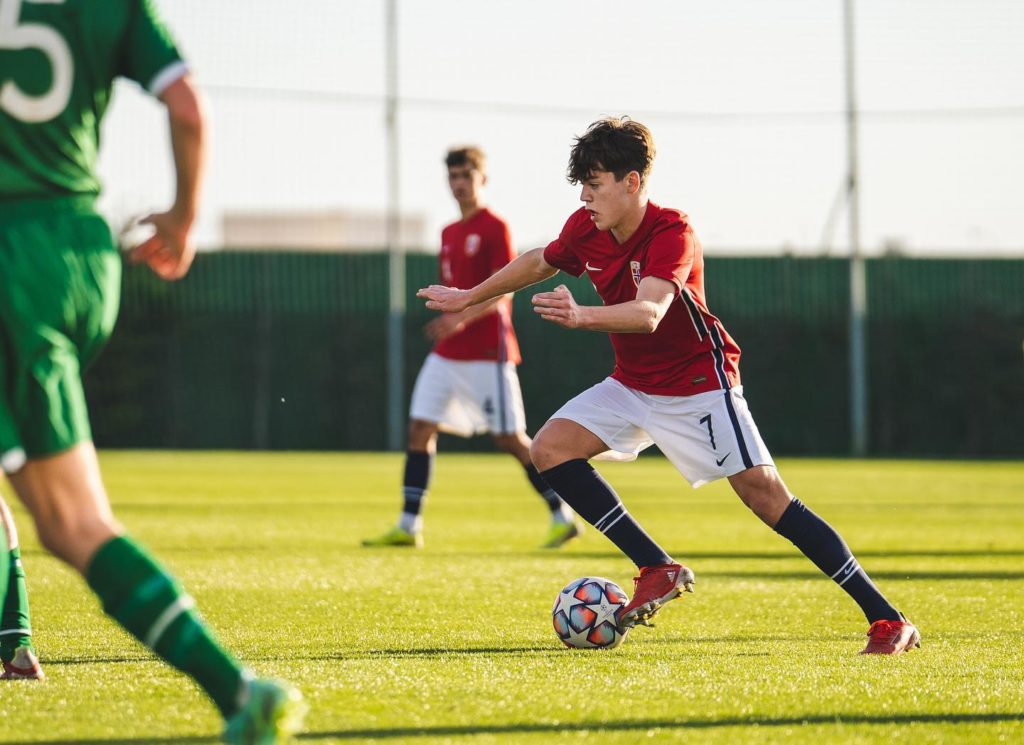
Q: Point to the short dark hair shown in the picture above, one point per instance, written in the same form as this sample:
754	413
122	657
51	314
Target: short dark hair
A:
470	155
615	144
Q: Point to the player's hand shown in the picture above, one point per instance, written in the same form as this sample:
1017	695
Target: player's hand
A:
443	326
448	299
170	250
559	306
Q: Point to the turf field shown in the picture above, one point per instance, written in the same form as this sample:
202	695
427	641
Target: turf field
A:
454	643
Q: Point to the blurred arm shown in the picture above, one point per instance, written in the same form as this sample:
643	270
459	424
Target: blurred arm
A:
188	142
171	250
446	324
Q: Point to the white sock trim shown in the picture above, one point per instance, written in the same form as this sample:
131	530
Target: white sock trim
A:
845	564
608	527
603	523
562	516
853	573
244	688
410	523
26	632
181	605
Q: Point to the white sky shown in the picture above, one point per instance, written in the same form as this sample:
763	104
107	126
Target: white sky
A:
715	81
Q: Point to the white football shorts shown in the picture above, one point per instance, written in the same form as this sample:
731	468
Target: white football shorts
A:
706	436
468	397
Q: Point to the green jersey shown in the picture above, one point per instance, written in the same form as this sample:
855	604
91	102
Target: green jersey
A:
58	63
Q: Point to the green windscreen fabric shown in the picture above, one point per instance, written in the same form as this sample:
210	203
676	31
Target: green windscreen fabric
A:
289	351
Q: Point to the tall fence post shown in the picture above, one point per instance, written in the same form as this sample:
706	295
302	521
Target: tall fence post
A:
858	274
396	252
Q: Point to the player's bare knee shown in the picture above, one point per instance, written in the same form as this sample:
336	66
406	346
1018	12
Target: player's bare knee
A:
542	452
506	442
516	444
421	435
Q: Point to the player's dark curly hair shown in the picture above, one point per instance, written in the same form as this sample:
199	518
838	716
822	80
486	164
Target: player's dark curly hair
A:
470	155
615	144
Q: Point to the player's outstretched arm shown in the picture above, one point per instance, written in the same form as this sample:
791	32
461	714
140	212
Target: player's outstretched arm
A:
446	324
640	316
526	270
169	252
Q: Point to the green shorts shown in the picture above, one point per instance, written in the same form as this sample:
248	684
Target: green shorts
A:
60	285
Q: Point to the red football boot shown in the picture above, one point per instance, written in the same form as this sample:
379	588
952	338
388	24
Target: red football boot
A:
892	637
24	666
654	587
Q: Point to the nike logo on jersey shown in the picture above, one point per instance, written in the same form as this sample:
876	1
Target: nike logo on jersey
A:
720	462
592	268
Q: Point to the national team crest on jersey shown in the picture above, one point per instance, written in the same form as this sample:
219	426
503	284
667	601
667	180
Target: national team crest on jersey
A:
634	268
472	244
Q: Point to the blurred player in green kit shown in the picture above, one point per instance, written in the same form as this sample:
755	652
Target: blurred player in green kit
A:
59	292
16	653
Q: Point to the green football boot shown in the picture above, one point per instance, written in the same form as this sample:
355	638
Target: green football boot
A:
272	714
561	533
395	537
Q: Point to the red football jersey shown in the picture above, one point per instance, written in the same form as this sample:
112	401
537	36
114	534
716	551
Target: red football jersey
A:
690	351
471	251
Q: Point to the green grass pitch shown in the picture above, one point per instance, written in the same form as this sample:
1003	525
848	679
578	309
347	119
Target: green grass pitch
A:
453	644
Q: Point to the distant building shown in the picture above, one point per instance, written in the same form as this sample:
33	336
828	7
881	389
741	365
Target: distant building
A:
319	230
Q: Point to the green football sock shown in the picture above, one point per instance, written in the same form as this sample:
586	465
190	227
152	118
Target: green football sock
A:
148	602
4	560
15	621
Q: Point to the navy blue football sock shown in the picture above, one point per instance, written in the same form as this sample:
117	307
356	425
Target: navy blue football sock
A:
826	548
415	481
549	495
595	501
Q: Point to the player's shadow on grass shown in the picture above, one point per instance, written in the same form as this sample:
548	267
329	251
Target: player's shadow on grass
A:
642	725
686	555
125	659
948	575
439	652
122	741
403	733
368	654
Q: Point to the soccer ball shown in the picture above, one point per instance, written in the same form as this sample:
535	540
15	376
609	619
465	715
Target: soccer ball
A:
586	613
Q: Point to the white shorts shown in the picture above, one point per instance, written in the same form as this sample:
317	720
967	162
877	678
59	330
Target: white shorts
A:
706	436
468	397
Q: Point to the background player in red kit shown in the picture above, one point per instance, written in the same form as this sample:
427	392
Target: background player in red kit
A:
676	381
468	383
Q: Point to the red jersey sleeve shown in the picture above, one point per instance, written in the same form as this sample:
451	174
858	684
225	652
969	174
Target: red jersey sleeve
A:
671	253
560	253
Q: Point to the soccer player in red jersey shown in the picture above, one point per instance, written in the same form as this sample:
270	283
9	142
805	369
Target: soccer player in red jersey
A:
676	381
468	383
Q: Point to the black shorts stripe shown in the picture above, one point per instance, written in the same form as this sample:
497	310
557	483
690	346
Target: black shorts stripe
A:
502	418
502	359
744	455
